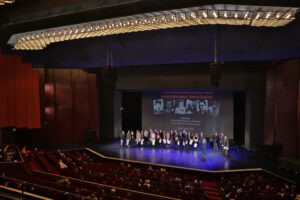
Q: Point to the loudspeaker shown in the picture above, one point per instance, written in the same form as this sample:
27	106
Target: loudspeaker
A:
215	74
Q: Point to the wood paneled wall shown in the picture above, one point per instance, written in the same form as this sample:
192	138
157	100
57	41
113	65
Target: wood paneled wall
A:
70	105
19	94
282	116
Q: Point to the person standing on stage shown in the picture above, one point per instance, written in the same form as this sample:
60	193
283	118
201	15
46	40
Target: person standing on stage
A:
203	144
160	138
172	139
211	141
146	137
157	138
191	140
138	138
128	138
196	140
142	136
152	138
164	138
216	142
221	141
185	140
201	136
168	138
132	140
225	145
122	138
176	139
180	138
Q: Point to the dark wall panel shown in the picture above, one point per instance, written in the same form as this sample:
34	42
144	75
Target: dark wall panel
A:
282	108
287	104
239	117
11	96
36	101
20	94
69	107
20	103
63	99
3	101
80	104
93	103
50	107
29	98
269	127
298	139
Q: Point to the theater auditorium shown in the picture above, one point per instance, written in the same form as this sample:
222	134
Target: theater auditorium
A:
150	99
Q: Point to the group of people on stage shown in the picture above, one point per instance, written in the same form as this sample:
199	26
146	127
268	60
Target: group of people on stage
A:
183	140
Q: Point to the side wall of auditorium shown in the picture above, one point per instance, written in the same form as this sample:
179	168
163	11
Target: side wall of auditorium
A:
69	106
282	108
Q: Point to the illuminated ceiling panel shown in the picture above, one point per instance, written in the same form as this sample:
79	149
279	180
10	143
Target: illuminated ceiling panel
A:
3	2
211	14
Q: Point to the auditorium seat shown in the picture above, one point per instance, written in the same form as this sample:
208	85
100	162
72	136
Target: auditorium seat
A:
137	177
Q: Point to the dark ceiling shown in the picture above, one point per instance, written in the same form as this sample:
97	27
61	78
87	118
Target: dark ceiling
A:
180	45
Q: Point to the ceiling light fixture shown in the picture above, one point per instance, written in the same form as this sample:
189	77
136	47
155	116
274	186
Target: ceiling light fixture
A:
3	2
210	14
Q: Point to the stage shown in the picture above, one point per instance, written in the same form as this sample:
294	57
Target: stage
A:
215	161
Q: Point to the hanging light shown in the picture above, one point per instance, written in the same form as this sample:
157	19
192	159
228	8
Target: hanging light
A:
211	14
3	2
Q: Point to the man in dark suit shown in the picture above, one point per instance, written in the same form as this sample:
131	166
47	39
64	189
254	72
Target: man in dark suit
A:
180	138
221	141
122	137
203	144
185	140
225	145
216	142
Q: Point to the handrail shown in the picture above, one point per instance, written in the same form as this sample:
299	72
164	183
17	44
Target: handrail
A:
191	169
25	193
109	186
42	186
280	177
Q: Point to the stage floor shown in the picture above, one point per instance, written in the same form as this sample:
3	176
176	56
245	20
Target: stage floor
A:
215	161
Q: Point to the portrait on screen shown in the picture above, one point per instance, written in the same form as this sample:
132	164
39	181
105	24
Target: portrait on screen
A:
158	106
202	107
169	106
191	106
195	111
180	108
214	108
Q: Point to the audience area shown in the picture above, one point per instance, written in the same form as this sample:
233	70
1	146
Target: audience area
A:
251	186
82	174
84	165
9	153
